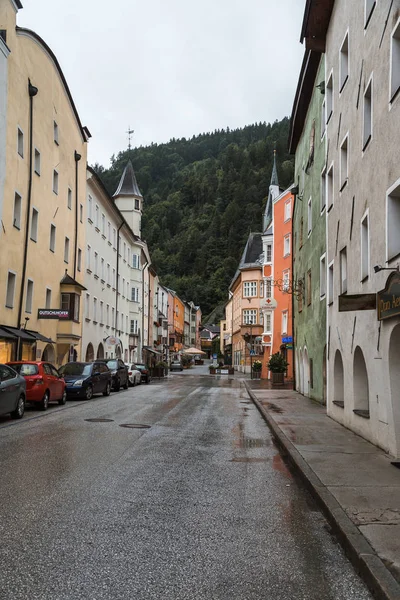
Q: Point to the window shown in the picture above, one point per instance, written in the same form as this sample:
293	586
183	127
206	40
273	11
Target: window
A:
288	210
66	250
71	303
286	281
113	278
309	288
329	98
79	265
108	315
95	310
268	288
330	283
113	317
55	182
395	64
103	224
137	204
286	245
343	271
344	63
109	232
268	254
123	286
52	238
301	232
29	296
134	327
48	298
267	322
322	276
37	161
329	188
96	264
284	321
87	306
89	258
20	142
96	217
17	211
309	217
135	294
124	251
323	190
128	260
101	312
369	9
344	162
34	224
69	198
55	132
90	209
364	247
323	119
108	274
102	271
393	222
81	213
135	261
250	316
367	115
11	279
250	289
114	237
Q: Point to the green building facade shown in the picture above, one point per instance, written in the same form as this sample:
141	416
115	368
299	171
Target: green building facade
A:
307	142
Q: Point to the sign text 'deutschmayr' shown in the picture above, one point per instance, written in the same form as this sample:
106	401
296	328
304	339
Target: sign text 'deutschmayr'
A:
388	299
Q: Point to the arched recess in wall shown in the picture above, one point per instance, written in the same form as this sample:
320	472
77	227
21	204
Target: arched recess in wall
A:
301	372
89	353
100	351
118	352
360	384
49	354
324	376
338	380
394	378
297	371
306	375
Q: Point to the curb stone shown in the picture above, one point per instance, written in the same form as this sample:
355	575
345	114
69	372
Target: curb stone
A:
363	557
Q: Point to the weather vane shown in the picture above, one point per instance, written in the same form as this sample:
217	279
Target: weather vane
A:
130	132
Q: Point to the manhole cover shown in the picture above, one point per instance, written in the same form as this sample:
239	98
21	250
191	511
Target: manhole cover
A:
100	420
135	426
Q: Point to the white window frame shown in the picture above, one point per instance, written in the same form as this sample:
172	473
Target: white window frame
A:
90	209
322	277
94	309
368	106
285	321
52	243
286	245
249	289
268	288
69	198
89	258
286	280
87	306
344	162
20	142
393	221
268	322
344	63
96	217
66	250
37	161
55	182
323	190
34	224
323	120
249	316
47	298
394	83
103	224
288	211
79	260
343	270
365	246
268	253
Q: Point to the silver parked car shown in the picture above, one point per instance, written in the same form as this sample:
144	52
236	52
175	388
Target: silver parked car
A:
12	392
176	365
134	375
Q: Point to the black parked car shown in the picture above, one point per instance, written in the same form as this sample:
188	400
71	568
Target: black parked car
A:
12	392
119	373
145	372
85	379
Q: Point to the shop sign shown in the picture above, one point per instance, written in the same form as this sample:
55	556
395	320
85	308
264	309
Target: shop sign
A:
388	299
112	341
287	340
289	346
53	313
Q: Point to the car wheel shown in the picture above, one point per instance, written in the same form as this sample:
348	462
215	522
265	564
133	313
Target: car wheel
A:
89	392
107	391
45	401
18	413
63	400
117	385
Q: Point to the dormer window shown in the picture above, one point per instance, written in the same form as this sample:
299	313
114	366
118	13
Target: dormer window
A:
137	204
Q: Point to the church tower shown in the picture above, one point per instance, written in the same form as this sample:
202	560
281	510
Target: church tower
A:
129	200
273	193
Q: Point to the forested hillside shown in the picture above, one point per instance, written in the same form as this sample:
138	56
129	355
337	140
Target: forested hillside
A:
202	196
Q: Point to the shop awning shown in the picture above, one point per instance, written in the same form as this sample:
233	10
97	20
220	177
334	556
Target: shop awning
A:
149	349
20	333
6	335
40	337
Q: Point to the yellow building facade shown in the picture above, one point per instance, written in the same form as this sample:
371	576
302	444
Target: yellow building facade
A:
42	232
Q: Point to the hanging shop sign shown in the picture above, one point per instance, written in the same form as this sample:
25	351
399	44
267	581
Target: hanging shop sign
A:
351	302
112	340
388	299
53	313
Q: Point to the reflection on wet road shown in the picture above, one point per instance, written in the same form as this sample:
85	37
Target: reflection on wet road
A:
169	491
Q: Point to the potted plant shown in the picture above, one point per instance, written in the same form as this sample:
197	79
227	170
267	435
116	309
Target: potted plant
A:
211	368
278	365
160	369
256	369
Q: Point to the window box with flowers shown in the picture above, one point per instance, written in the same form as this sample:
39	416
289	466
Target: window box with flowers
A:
256	369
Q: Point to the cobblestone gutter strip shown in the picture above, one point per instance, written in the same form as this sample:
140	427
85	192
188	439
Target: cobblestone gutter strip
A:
363	557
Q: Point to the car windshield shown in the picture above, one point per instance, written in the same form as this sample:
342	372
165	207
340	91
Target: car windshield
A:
26	369
112	365
76	369
140	367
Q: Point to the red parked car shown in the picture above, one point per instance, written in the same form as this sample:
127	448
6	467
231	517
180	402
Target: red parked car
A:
44	384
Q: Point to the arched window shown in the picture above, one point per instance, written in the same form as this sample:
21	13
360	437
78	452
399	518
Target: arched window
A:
338	380
360	383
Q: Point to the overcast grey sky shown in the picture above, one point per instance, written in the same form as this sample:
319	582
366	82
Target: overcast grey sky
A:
171	68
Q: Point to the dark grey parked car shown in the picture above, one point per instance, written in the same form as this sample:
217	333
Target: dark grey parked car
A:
12	392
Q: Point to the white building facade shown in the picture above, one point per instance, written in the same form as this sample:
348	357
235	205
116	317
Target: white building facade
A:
362	186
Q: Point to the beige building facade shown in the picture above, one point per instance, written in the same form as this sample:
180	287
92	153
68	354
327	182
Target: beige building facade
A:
42	233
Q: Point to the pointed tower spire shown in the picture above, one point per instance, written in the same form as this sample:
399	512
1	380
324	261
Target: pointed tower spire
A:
274	176
128	185
128	197
273	193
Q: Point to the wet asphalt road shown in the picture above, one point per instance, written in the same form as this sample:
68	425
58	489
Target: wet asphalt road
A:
198	506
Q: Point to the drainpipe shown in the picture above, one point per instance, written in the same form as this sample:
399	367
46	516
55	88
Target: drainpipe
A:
77	159
32	91
116	283
143	270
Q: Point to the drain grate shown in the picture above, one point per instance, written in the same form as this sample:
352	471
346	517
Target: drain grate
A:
135	426
100	420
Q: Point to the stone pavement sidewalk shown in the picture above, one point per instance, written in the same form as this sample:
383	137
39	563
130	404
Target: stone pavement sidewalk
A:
353	481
